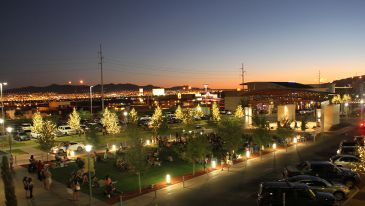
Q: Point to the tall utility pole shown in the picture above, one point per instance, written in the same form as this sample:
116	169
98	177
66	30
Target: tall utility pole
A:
243	76
319	77
101	78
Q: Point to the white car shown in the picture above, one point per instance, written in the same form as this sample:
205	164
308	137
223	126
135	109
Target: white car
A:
345	160
66	130
71	146
26	127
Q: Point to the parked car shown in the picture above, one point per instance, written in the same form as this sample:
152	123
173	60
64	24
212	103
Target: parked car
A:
345	160
362	125
64	146
22	136
26	126
318	184
348	150
66	130
325	170
276	193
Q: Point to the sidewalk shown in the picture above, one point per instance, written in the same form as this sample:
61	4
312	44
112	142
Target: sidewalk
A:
57	196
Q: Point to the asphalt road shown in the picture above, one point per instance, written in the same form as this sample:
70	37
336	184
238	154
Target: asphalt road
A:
241	186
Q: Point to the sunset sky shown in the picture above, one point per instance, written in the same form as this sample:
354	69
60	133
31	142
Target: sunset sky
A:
171	42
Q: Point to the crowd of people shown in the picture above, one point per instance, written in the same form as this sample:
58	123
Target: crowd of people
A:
43	175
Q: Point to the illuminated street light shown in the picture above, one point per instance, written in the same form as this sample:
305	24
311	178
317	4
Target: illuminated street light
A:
88	150
91	100
9	130
125	113
274	146
81	81
295	140
168	179
1	121
2	104
248	154
214	164
114	148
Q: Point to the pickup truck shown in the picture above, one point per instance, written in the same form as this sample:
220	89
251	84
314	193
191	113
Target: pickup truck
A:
325	170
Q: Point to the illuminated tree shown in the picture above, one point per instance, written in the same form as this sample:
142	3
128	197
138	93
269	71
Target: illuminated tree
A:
74	121
336	99
199	112
156	120
37	123
360	166
133	116
47	135
346	98
239	112
110	122
179	113
188	116
215	112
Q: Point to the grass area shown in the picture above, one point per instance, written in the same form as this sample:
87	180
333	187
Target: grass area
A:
126	181
17	152
4	143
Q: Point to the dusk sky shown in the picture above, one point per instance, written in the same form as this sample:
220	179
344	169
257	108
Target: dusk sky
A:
169	43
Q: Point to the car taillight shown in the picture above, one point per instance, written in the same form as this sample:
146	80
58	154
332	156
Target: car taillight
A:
362	124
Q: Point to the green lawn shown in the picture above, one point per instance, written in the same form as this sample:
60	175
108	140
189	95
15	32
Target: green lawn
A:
17	151
126	181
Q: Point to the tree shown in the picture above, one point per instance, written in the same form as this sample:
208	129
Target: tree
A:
179	113
346	98
261	136
133	116
188	116
7	177
260	121
336	99
47	135
197	149
360	166
136	156
230	131
199	112
74	121
239	112
37	123
304	122
156	119
215	112
110	122
244	102
85	114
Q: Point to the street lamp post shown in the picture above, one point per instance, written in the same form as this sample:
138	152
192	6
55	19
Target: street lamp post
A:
362	107
347	110
274	148
2	104
91	100
88	150
9	130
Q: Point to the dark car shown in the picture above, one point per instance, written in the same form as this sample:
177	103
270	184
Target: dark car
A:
286	193
318	184
325	170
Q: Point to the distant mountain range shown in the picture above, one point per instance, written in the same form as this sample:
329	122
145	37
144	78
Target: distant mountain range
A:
69	89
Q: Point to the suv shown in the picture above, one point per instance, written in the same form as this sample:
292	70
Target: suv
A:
318	184
325	170
286	193
66	130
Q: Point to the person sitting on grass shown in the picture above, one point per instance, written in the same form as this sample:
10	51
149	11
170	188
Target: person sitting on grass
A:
109	189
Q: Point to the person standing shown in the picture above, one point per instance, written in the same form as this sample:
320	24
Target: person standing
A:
47	178
40	168
26	186
30	187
